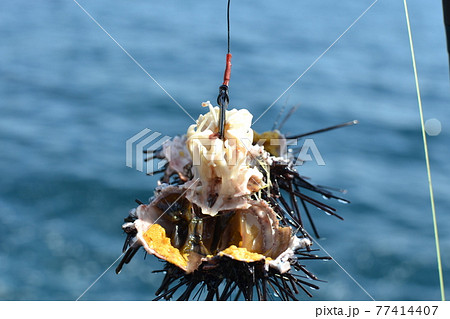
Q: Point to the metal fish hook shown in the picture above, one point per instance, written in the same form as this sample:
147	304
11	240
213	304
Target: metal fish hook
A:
223	101
223	98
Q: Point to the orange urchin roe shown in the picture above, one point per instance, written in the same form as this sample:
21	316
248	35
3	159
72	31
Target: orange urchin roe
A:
242	254
156	239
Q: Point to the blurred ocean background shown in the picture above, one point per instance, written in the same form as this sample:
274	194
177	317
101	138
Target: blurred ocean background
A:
70	98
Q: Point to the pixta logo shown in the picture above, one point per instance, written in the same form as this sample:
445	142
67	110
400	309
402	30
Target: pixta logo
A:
152	144
145	141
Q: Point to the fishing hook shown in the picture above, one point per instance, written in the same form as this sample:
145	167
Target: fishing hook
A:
223	98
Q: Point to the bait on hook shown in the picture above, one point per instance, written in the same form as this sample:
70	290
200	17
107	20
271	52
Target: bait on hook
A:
227	214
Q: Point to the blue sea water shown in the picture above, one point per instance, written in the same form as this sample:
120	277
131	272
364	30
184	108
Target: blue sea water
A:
70	97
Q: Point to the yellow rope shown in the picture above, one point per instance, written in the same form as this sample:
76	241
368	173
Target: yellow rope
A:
427	160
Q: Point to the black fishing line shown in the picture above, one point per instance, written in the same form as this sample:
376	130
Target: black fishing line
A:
223	98
228	25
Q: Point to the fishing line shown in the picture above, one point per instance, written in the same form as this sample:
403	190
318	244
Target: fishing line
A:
134	60
315	61
223	98
343	269
228	24
427	160
98	278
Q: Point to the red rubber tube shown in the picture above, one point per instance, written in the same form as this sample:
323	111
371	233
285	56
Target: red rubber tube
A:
226	76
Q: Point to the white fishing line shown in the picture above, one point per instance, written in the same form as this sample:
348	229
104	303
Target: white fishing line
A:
98	278
103	273
343	269
134	60
316	60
